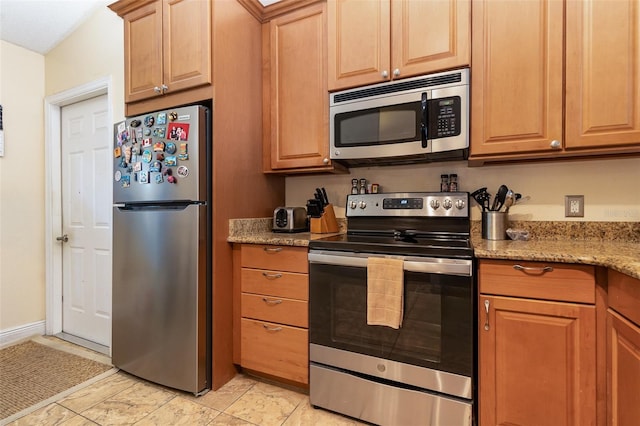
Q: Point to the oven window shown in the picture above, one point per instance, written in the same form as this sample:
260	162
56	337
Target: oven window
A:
437	327
378	126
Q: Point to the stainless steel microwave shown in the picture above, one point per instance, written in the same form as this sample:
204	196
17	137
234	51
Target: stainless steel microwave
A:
419	119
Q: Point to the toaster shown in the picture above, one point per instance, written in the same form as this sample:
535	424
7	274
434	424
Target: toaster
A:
290	219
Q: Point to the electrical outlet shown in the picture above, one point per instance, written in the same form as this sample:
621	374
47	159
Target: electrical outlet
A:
574	206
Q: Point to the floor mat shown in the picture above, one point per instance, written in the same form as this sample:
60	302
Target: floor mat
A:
31	372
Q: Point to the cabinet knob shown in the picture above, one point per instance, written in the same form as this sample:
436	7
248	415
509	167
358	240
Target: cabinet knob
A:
165	87
157	89
396	72
384	74
555	144
325	161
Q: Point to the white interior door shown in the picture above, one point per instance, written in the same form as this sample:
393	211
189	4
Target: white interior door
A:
86	220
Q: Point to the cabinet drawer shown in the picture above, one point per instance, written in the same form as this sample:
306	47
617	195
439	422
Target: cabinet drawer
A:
624	295
275	283
274	349
561	282
275	309
280	258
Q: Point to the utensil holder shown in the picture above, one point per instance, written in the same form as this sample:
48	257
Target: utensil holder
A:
325	224
494	225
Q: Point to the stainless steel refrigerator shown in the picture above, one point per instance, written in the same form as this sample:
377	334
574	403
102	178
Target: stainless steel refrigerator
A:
161	247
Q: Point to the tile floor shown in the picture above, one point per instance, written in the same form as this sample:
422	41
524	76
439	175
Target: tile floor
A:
122	399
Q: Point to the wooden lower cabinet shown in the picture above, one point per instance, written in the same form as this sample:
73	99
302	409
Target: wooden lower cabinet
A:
272	317
537	358
623	351
275	349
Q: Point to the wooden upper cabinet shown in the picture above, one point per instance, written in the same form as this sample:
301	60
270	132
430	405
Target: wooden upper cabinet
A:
167	46
516	83
603	73
554	79
295	98
376	41
186	42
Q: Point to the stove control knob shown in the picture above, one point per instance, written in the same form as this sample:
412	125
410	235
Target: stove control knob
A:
353	204
460	204
447	204
363	204
434	204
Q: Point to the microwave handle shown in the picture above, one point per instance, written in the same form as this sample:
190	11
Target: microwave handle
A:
425	118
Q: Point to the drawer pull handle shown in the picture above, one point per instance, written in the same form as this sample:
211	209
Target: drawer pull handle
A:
271	302
273	249
266	327
271	276
486	318
529	269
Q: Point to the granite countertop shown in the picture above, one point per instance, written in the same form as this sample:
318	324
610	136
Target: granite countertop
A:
614	246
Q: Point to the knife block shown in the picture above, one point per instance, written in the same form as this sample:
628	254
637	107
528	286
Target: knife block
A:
326	223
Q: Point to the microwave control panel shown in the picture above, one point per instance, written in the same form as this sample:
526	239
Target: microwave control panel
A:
444	117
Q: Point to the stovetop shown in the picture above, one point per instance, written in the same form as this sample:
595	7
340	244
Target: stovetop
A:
414	224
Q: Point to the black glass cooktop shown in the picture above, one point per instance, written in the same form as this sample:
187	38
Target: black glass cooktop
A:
400	243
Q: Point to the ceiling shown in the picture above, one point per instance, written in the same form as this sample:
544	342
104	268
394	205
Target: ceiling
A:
39	25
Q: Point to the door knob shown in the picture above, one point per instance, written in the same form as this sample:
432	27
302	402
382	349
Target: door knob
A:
63	238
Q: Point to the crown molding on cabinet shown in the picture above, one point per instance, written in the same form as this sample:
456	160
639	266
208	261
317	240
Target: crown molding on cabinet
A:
266	13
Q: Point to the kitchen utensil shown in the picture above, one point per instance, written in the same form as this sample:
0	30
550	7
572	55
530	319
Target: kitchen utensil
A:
509	200
482	197
499	199
314	207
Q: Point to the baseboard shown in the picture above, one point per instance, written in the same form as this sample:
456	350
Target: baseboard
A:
15	334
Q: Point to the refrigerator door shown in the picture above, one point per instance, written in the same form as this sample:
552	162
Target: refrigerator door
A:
162	156
160	295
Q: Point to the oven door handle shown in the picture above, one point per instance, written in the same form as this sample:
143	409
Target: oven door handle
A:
426	265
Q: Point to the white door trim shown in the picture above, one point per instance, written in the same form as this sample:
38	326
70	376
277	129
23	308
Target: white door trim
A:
53	190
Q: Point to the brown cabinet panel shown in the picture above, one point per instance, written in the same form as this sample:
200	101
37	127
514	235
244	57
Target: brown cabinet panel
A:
167	47
603	73
275	349
624	295
143	52
554	79
275	283
429	36
536	354
562	282
357	58
516	82
275	258
276	309
295	91
623	373
186	41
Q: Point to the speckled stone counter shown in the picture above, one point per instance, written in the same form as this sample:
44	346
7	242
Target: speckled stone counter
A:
615	245
258	231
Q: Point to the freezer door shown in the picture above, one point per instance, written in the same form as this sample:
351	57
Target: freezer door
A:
162	156
160	297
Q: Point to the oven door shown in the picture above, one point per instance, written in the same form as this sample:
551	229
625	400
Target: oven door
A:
438	323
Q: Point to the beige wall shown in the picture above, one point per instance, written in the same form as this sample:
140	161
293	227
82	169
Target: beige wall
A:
610	187
22	275
94	51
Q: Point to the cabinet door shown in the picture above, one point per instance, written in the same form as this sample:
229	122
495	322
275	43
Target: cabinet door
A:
296	91
429	36
186	44
603	74
623	370
358	44
143	52
537	362
516	83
